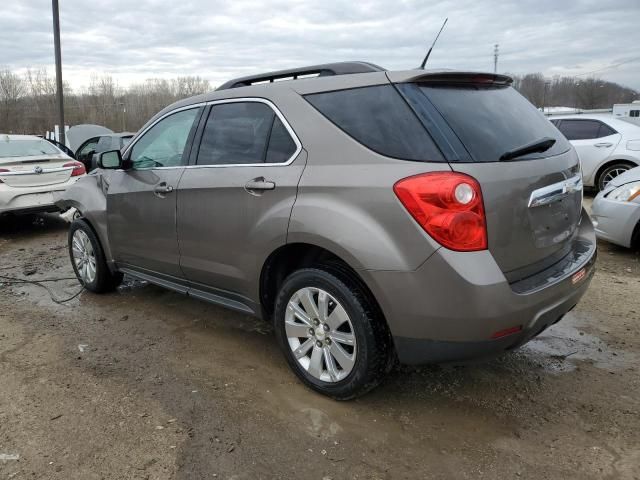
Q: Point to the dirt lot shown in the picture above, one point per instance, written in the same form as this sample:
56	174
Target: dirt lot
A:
145	383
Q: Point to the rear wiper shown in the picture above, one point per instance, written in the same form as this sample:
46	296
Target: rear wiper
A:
538	146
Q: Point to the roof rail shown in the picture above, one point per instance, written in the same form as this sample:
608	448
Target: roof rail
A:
327	69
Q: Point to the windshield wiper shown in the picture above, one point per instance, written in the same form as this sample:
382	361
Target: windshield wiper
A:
539	146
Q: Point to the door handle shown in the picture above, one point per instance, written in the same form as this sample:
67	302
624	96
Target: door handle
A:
603	144
162	188
259	185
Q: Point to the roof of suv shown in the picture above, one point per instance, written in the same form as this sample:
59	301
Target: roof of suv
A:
332	76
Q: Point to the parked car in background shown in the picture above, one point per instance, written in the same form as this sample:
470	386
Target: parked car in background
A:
92	145
616	210
31	171
362	211
103	143
606	145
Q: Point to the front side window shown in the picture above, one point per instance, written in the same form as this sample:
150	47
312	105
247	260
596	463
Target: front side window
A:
242	133
580	129
89	146
163	144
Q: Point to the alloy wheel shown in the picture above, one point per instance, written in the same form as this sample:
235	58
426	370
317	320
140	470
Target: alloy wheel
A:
320	334
611	174
84	256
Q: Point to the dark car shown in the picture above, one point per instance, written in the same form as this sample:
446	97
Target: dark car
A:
103	143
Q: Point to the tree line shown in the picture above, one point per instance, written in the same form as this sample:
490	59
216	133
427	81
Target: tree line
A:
28	101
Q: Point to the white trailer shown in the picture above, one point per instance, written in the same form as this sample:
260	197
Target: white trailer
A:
627	111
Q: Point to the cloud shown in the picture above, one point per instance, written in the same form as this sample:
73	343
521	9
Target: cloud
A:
222	39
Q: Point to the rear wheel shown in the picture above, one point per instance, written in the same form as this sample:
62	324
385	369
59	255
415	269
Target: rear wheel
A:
330	334
610	172
88	261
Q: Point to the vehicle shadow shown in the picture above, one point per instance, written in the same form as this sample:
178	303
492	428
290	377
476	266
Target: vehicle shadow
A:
13	226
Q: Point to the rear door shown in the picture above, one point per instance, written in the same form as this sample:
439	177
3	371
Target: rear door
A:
593	140
235	201
533	203
141	200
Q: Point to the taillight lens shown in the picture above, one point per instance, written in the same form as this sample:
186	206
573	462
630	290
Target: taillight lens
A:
78	168
448	206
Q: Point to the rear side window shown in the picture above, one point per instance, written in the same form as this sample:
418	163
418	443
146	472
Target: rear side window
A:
491	120
378	118
580	129
242	133
605	130
281	145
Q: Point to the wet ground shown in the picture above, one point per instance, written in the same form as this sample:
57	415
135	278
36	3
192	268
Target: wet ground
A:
145	383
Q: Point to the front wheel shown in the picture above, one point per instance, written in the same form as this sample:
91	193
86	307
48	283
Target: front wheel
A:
88	261
330	334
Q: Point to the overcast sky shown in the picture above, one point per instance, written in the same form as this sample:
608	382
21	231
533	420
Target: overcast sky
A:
138	39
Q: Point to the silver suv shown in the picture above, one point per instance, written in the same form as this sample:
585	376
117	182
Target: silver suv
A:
372	216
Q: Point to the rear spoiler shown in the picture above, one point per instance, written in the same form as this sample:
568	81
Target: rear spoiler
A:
440	76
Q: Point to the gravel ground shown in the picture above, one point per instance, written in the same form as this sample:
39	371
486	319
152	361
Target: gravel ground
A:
145	383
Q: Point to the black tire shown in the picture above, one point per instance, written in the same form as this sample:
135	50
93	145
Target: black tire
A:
374	348
609	169
105	280
635	238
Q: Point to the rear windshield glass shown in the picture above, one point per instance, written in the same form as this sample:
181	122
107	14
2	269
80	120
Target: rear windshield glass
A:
379	119
492	120
26	148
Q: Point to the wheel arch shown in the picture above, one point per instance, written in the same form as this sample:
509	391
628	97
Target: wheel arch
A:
293	256
608	163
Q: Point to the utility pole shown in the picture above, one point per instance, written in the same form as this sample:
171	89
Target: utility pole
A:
544	94
495	58
56	42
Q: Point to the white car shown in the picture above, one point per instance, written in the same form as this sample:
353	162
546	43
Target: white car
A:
31	170
606	146
616	210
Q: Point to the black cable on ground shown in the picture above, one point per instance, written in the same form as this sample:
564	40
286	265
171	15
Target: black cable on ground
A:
15	281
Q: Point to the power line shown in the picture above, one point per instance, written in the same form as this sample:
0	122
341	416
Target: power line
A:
607	68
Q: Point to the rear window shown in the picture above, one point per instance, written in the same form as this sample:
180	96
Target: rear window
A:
492	120
378	118
26	148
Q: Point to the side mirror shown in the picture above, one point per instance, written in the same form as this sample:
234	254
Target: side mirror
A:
110	160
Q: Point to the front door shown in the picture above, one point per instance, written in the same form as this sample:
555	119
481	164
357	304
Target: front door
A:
141	200
234	204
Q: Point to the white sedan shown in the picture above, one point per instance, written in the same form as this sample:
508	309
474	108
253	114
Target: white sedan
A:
606	145
31	170
616	210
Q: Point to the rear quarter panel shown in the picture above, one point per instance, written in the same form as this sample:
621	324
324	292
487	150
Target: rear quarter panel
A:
346	202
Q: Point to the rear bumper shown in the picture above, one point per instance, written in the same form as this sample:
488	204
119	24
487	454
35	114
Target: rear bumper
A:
31	199
450	307
615	221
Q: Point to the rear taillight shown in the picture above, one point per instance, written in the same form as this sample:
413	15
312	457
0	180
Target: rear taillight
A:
3	170
448	206
78	168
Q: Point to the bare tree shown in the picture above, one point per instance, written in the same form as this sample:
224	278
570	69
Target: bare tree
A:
27	102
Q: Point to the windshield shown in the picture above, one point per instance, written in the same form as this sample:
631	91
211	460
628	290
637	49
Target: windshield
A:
492	120
26	148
